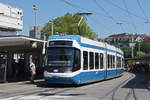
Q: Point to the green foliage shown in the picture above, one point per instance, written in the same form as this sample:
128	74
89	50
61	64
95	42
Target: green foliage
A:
140	53
68	25
144	46
127	51
130	62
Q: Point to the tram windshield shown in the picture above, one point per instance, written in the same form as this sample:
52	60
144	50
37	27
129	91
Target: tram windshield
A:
63	59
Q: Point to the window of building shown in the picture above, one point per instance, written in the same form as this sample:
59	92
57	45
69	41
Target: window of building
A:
91	60
101	60
96	61
85	60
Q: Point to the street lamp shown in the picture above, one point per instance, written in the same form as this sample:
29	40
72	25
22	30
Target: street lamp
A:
35	10
52	29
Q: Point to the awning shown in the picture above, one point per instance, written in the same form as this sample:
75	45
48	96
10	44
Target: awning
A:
19	43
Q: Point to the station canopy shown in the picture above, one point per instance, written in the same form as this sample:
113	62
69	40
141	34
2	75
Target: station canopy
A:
20	43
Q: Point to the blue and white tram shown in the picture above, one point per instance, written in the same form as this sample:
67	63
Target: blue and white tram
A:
72	59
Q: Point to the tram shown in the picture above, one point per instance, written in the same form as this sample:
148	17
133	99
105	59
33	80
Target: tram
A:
72	59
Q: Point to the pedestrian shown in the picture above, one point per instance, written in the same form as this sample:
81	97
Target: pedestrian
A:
32	70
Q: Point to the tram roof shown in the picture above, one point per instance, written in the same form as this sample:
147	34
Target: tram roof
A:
79	39
73	37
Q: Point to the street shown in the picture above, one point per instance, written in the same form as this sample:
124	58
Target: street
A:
127	87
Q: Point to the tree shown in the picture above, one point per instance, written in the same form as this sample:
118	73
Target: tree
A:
131	62
140	54
144	46
68	25
127	51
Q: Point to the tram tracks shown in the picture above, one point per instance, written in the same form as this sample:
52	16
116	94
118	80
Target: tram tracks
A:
114	90
37	92
134	83
131	93
126	89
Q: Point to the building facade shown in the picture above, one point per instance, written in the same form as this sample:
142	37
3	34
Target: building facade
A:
11	19
39	34
125	39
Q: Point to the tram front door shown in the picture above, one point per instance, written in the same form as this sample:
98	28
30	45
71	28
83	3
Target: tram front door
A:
3	66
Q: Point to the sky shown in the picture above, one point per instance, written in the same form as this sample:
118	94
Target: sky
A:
108	16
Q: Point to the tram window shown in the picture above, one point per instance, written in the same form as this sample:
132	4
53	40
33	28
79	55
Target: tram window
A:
122	63
55	43
118	62
85	60
108	61
77	64
101	61
96	61
91	60
113	61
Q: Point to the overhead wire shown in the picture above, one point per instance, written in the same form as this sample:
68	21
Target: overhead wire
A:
95	1
80	9
115	5
130	17
120	24
68	3
76	6
140	6
106	27
107	15
116	21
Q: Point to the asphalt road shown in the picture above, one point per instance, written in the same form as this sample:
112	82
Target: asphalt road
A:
127	87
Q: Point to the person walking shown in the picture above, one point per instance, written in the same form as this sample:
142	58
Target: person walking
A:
32	70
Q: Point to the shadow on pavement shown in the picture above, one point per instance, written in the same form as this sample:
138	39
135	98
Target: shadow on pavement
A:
140	81
52	94
43	84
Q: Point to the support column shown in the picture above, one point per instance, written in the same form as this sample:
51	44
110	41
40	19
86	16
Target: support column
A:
9	64
27	60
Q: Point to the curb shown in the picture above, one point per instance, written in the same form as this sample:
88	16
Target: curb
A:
22	82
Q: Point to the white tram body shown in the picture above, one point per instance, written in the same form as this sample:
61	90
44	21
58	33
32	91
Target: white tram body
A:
72	59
